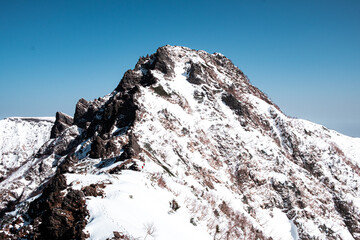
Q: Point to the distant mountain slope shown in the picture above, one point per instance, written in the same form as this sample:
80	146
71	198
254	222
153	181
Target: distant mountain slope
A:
20	138
186	148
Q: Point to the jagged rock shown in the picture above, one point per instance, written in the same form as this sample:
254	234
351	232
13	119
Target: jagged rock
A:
65	221
50	197
60	217
195	74
129	81
98	148
235	105
62	122
81	112
94	190
164	62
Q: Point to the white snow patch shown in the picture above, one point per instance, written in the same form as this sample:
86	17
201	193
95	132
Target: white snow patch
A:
131	204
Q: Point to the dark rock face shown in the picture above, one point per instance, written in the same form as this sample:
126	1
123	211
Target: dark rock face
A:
10	206
93	190
62	122
163	61
66	221
56	216
97	148
49	198
81	112
86	111
129	80
130	150
127	112
195	74
103	148
159	61
235	105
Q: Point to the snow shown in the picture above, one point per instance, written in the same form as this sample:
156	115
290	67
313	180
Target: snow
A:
279	226
21	137
294	231
132	204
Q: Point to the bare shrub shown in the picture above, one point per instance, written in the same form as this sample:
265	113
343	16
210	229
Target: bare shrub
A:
150	230
161	182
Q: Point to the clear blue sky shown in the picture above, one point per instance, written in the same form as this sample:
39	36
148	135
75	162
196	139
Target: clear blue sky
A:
304	54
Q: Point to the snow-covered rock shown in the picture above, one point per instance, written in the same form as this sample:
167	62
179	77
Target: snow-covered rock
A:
186	148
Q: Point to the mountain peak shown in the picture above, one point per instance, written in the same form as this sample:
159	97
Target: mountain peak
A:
186	140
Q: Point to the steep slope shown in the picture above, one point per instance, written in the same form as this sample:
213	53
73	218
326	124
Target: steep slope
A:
20	138
186	148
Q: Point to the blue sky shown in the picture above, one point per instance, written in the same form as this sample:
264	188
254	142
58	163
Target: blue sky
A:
304	54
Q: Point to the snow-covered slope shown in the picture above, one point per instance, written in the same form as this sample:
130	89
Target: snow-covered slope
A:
186	148
20	138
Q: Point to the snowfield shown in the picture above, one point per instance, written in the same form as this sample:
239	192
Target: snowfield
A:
134	204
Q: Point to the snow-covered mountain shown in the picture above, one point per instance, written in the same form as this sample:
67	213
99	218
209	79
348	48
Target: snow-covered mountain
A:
186	148
20	138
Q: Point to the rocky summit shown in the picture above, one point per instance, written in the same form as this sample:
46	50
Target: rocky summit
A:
184	148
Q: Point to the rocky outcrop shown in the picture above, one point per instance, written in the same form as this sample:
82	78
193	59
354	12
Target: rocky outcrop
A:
56	215
235	105
94	190
82	113
195	74
62	122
